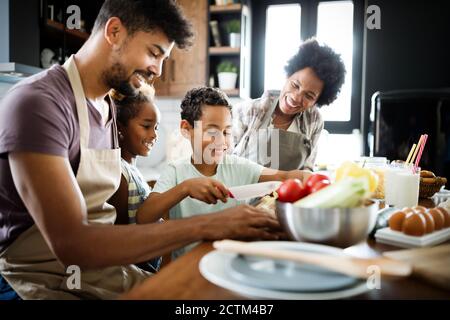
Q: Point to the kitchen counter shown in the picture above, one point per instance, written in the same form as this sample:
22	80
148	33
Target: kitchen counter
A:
181	279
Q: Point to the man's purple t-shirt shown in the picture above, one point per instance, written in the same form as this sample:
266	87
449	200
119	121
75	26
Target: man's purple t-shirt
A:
39	115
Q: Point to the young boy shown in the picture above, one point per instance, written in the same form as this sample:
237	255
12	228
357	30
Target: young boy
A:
206	122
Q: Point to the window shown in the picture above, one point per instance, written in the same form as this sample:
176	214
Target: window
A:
335	28
337	23
340	25
282	41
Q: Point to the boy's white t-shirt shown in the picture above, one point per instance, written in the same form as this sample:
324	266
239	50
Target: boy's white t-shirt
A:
232	171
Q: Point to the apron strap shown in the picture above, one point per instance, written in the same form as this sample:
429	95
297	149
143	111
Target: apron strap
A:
264	124
115	129
80	100
269	113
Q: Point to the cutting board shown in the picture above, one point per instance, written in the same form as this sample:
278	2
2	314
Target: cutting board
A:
429	264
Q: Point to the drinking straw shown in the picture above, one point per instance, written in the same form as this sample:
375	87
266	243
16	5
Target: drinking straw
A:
421	150
417	148
410	153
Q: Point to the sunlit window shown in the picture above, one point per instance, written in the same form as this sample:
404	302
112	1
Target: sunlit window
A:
335	28
282	42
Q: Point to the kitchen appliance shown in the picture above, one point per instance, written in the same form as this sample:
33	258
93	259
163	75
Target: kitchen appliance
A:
401	116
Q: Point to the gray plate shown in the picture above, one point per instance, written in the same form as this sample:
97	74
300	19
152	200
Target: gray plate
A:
286	275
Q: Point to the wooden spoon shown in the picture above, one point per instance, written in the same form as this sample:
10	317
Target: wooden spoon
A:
355	267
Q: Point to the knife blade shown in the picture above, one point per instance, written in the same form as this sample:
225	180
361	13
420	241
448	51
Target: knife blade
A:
250	191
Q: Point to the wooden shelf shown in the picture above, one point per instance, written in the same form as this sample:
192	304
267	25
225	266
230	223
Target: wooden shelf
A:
73	36
232	92
223	14
237	7
222	51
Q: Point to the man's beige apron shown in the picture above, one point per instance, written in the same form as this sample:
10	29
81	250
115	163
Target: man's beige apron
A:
28	264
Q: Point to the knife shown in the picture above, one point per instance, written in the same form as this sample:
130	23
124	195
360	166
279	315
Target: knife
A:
250	191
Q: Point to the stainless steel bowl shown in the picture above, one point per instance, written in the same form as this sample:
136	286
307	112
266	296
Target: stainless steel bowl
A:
335	226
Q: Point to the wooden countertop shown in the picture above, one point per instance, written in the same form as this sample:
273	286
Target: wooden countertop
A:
181	279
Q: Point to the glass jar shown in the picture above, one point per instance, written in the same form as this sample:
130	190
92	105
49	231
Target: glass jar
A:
378	165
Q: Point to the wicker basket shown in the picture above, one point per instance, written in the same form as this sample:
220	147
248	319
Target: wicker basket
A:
427	190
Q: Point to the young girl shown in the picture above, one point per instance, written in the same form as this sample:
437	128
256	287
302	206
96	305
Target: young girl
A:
137	120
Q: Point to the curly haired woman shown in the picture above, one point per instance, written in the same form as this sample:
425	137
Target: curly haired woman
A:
281	129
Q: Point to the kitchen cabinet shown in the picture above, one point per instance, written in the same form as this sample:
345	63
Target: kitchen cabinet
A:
27	27
186	69
54	33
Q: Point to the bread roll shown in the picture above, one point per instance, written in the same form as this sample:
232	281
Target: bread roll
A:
427	174
428	180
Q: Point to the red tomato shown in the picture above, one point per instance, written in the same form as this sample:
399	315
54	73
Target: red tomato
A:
315	178
319	185
291	190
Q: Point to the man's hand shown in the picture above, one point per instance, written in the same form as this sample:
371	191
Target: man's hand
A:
241	222
206	189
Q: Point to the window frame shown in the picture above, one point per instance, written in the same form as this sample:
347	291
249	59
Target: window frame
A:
309	9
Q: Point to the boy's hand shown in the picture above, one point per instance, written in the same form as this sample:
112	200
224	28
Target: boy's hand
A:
206	189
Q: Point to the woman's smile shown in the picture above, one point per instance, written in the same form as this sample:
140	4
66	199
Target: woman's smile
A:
291	104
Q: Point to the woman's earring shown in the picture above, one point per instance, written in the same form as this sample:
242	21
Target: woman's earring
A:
120	136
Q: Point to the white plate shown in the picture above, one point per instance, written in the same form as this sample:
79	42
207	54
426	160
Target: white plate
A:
287	275
397	238
213	268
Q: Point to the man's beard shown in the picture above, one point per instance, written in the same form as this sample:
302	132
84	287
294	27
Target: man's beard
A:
117	78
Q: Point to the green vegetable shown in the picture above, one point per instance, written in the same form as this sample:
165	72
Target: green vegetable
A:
347	193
